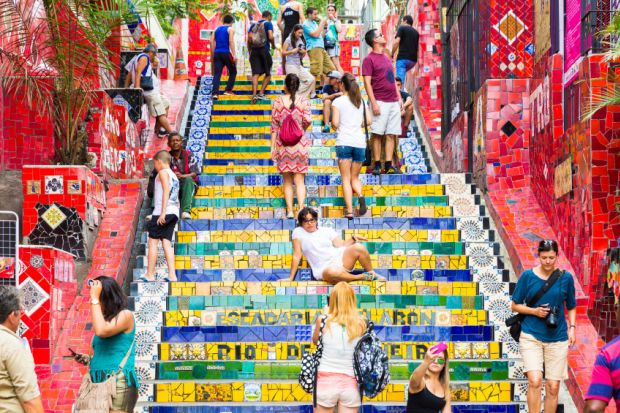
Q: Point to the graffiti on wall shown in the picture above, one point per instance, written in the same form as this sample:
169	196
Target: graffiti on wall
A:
563	178
542	28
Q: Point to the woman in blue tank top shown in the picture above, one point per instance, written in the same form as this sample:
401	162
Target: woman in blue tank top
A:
224	56
113	345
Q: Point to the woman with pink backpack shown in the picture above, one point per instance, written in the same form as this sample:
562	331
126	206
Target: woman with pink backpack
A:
290	118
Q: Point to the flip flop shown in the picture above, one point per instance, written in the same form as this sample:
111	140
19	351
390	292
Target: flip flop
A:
362	206
144	279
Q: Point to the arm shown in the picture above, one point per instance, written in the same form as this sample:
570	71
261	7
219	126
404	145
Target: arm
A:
416	381
140	65
376	110
33	406
525	310
448	407
307	118
395	47
279	22
165	186
594	406
271	38
319	30
368	116
231	41
285	46
102	328
339	26
297	254
572	315
339	242
408	102
317	331
335	116
302	17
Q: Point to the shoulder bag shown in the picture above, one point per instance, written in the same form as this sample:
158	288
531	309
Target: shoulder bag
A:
310	366
514	322
146	82
368	159
97	397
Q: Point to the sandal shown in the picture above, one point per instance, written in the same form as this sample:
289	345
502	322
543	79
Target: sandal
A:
349	215
362	206
371	276
290	216
143	278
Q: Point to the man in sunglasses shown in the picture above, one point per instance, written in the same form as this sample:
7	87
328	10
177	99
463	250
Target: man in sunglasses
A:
19	391
383	93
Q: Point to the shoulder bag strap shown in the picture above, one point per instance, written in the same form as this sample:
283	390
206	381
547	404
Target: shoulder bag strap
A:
546	286
319	344
124	361
365	123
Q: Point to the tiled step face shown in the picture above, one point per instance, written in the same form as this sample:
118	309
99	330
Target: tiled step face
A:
229	336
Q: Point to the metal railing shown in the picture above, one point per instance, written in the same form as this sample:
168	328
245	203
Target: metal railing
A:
9	248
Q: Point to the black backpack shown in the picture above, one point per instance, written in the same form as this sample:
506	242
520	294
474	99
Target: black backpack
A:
150	188
370	364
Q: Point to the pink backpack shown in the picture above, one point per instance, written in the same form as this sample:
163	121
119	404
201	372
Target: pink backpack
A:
290	131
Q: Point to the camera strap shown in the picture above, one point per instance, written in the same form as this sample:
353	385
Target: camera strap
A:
546	286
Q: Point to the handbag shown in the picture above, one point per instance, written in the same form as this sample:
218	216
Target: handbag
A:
330	43
310	366
146	82
368	159
290	131
514	322
97	397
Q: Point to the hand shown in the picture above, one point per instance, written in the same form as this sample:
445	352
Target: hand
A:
234	58
178	175
431	357
161	220
82	358
359	238
541	312
376	110
95	290
303	52
273	150
571	336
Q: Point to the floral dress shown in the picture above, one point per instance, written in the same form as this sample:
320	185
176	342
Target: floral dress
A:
291	158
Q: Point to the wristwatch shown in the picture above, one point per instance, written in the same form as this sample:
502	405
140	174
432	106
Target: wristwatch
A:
94	302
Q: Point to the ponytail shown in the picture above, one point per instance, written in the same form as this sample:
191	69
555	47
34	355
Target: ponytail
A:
352	89
291	82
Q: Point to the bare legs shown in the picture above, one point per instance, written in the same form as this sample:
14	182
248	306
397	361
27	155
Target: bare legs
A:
341	409
352	254
336	62
152	258
552	390
350	173
162	120
298	179
378	141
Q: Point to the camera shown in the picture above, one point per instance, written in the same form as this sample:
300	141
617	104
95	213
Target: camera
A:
91	283
552	317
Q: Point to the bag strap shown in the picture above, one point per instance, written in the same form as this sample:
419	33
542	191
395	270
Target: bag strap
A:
365	123
319	344
124	361
546	286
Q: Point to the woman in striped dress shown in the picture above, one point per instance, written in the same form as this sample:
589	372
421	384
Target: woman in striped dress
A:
292	161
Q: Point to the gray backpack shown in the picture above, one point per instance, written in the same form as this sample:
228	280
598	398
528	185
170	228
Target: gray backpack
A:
258	36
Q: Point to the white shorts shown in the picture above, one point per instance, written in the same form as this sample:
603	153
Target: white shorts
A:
388	122
335	261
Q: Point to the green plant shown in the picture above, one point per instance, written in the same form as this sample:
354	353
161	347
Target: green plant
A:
610	96
238	9
167	11
52	58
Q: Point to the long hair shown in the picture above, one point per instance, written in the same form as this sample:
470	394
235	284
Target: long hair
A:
343	310
113	299
444	376
292	86
352	89
293	39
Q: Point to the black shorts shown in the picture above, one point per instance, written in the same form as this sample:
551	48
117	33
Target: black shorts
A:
260	61
165	231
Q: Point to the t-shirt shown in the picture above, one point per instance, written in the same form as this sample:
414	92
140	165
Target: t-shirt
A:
295	58
379	67
329	90
332	31
350	127
312	42
18	381
317	247
605	382
404	96
409	43
563	291
267	26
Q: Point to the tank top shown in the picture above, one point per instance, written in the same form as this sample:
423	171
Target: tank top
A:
222	40
108	353
290	17
172	208
337	350
425	402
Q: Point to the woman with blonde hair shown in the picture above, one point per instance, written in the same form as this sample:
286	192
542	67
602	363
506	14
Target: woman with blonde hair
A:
429	385
344	326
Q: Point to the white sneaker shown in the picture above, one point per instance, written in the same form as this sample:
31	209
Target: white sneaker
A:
186	215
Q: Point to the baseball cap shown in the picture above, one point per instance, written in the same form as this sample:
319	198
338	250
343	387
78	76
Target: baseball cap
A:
334	74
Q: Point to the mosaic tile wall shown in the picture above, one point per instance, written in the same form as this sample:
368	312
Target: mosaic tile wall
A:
27	136
114	145
60	203
454	146
46	280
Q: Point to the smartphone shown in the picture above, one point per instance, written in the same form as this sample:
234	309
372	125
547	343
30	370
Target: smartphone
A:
91	283
439	348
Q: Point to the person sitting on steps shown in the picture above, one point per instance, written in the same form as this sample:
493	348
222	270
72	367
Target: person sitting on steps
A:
186	168
331	258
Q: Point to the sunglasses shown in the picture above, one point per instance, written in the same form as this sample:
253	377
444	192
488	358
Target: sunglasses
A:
440	360
309	221
548	242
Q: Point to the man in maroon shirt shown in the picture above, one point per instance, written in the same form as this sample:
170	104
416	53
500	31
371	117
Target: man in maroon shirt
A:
380	84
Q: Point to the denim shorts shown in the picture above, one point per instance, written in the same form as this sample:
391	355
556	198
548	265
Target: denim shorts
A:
349	152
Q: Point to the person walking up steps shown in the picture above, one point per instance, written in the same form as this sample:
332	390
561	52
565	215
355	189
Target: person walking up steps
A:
407	45
291	14
165	216
291	160
320	63
260	40
348	113
344	326
331	258
294	49
224	55
383	94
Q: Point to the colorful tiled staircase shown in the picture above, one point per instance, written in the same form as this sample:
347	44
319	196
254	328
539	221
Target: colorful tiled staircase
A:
228	337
